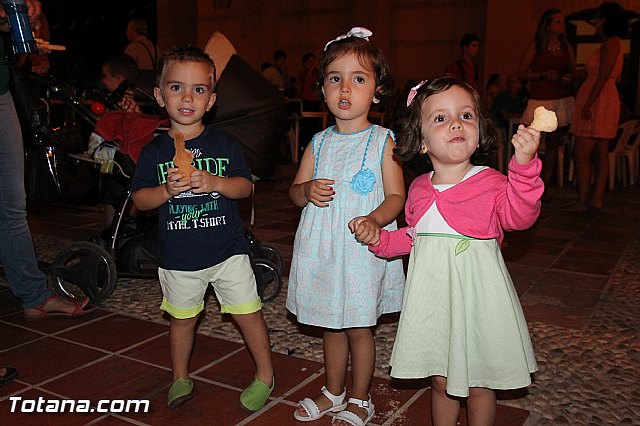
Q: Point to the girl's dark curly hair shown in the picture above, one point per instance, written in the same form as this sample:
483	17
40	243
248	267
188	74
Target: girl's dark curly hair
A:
369	56
410	141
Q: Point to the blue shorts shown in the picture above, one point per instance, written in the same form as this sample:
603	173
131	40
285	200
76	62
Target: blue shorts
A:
233	282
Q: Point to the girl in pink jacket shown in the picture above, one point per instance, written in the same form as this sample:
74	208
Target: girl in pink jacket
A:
461	322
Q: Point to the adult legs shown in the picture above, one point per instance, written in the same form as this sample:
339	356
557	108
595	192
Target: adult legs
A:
481	407
445	409
254	331
553	141
583	148
602	172
17	253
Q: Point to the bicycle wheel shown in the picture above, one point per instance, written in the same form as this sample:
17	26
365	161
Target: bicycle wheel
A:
273	255
84	267
268	279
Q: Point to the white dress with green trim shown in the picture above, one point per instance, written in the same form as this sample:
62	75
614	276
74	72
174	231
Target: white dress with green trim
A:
336	282
461	317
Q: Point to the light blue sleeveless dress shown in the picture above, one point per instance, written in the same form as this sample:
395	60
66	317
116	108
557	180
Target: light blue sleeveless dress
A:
335	281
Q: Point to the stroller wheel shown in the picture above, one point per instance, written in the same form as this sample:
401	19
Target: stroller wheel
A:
84	267
268	279
273	255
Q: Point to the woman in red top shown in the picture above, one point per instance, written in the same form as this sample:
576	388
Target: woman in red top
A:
549	65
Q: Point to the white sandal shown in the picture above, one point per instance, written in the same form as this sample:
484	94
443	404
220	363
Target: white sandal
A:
353	418
314	413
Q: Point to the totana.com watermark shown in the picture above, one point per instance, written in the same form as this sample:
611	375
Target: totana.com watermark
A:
42	405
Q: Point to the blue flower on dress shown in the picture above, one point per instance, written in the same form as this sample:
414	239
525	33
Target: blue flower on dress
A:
363	181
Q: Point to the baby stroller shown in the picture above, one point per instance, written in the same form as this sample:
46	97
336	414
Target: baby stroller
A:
127	249
255	114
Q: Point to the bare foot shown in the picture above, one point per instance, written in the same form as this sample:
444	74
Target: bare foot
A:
57	306
595	204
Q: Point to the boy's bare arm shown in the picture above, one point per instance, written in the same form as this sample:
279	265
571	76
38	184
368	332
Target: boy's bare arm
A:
151	197
233	188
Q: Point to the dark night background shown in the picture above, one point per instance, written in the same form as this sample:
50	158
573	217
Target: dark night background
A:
92	31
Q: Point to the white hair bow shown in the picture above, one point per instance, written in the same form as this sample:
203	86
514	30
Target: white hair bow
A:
360	32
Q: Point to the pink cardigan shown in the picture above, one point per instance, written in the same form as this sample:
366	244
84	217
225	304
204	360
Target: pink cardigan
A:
479	207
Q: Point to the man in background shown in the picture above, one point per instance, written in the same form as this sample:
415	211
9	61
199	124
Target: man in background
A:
466	68
143	51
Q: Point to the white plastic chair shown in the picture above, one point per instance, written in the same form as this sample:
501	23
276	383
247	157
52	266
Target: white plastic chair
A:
632	156
623	160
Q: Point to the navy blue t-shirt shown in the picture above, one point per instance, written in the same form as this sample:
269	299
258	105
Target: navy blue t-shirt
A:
196	231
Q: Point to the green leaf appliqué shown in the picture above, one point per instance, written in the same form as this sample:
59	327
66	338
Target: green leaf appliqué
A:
462	246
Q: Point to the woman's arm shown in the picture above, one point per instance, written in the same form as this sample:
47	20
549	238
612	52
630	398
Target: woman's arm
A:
524	69
572	59
526	73
608	57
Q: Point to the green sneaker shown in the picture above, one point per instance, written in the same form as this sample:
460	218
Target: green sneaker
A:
254	396
180	392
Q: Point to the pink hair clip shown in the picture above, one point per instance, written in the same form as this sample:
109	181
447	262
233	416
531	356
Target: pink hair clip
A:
414	91
359	32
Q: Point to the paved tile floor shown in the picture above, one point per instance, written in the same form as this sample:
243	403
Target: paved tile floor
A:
562	268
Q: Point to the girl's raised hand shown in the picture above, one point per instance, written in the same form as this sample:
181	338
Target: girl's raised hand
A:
365	229
174	185
525	141
319	191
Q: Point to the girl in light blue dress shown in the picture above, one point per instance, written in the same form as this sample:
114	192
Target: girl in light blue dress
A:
350	185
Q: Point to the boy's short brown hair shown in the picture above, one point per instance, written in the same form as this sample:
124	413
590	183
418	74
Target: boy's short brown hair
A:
186	53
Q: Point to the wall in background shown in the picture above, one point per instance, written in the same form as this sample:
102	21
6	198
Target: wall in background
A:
420	37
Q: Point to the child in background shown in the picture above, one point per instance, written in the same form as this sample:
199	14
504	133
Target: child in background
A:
115	71
350	186
208	246
461	322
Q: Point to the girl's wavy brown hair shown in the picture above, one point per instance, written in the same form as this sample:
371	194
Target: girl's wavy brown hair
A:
410	140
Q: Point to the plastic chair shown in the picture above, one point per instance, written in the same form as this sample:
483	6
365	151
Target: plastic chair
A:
295	141
631	155
623	159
